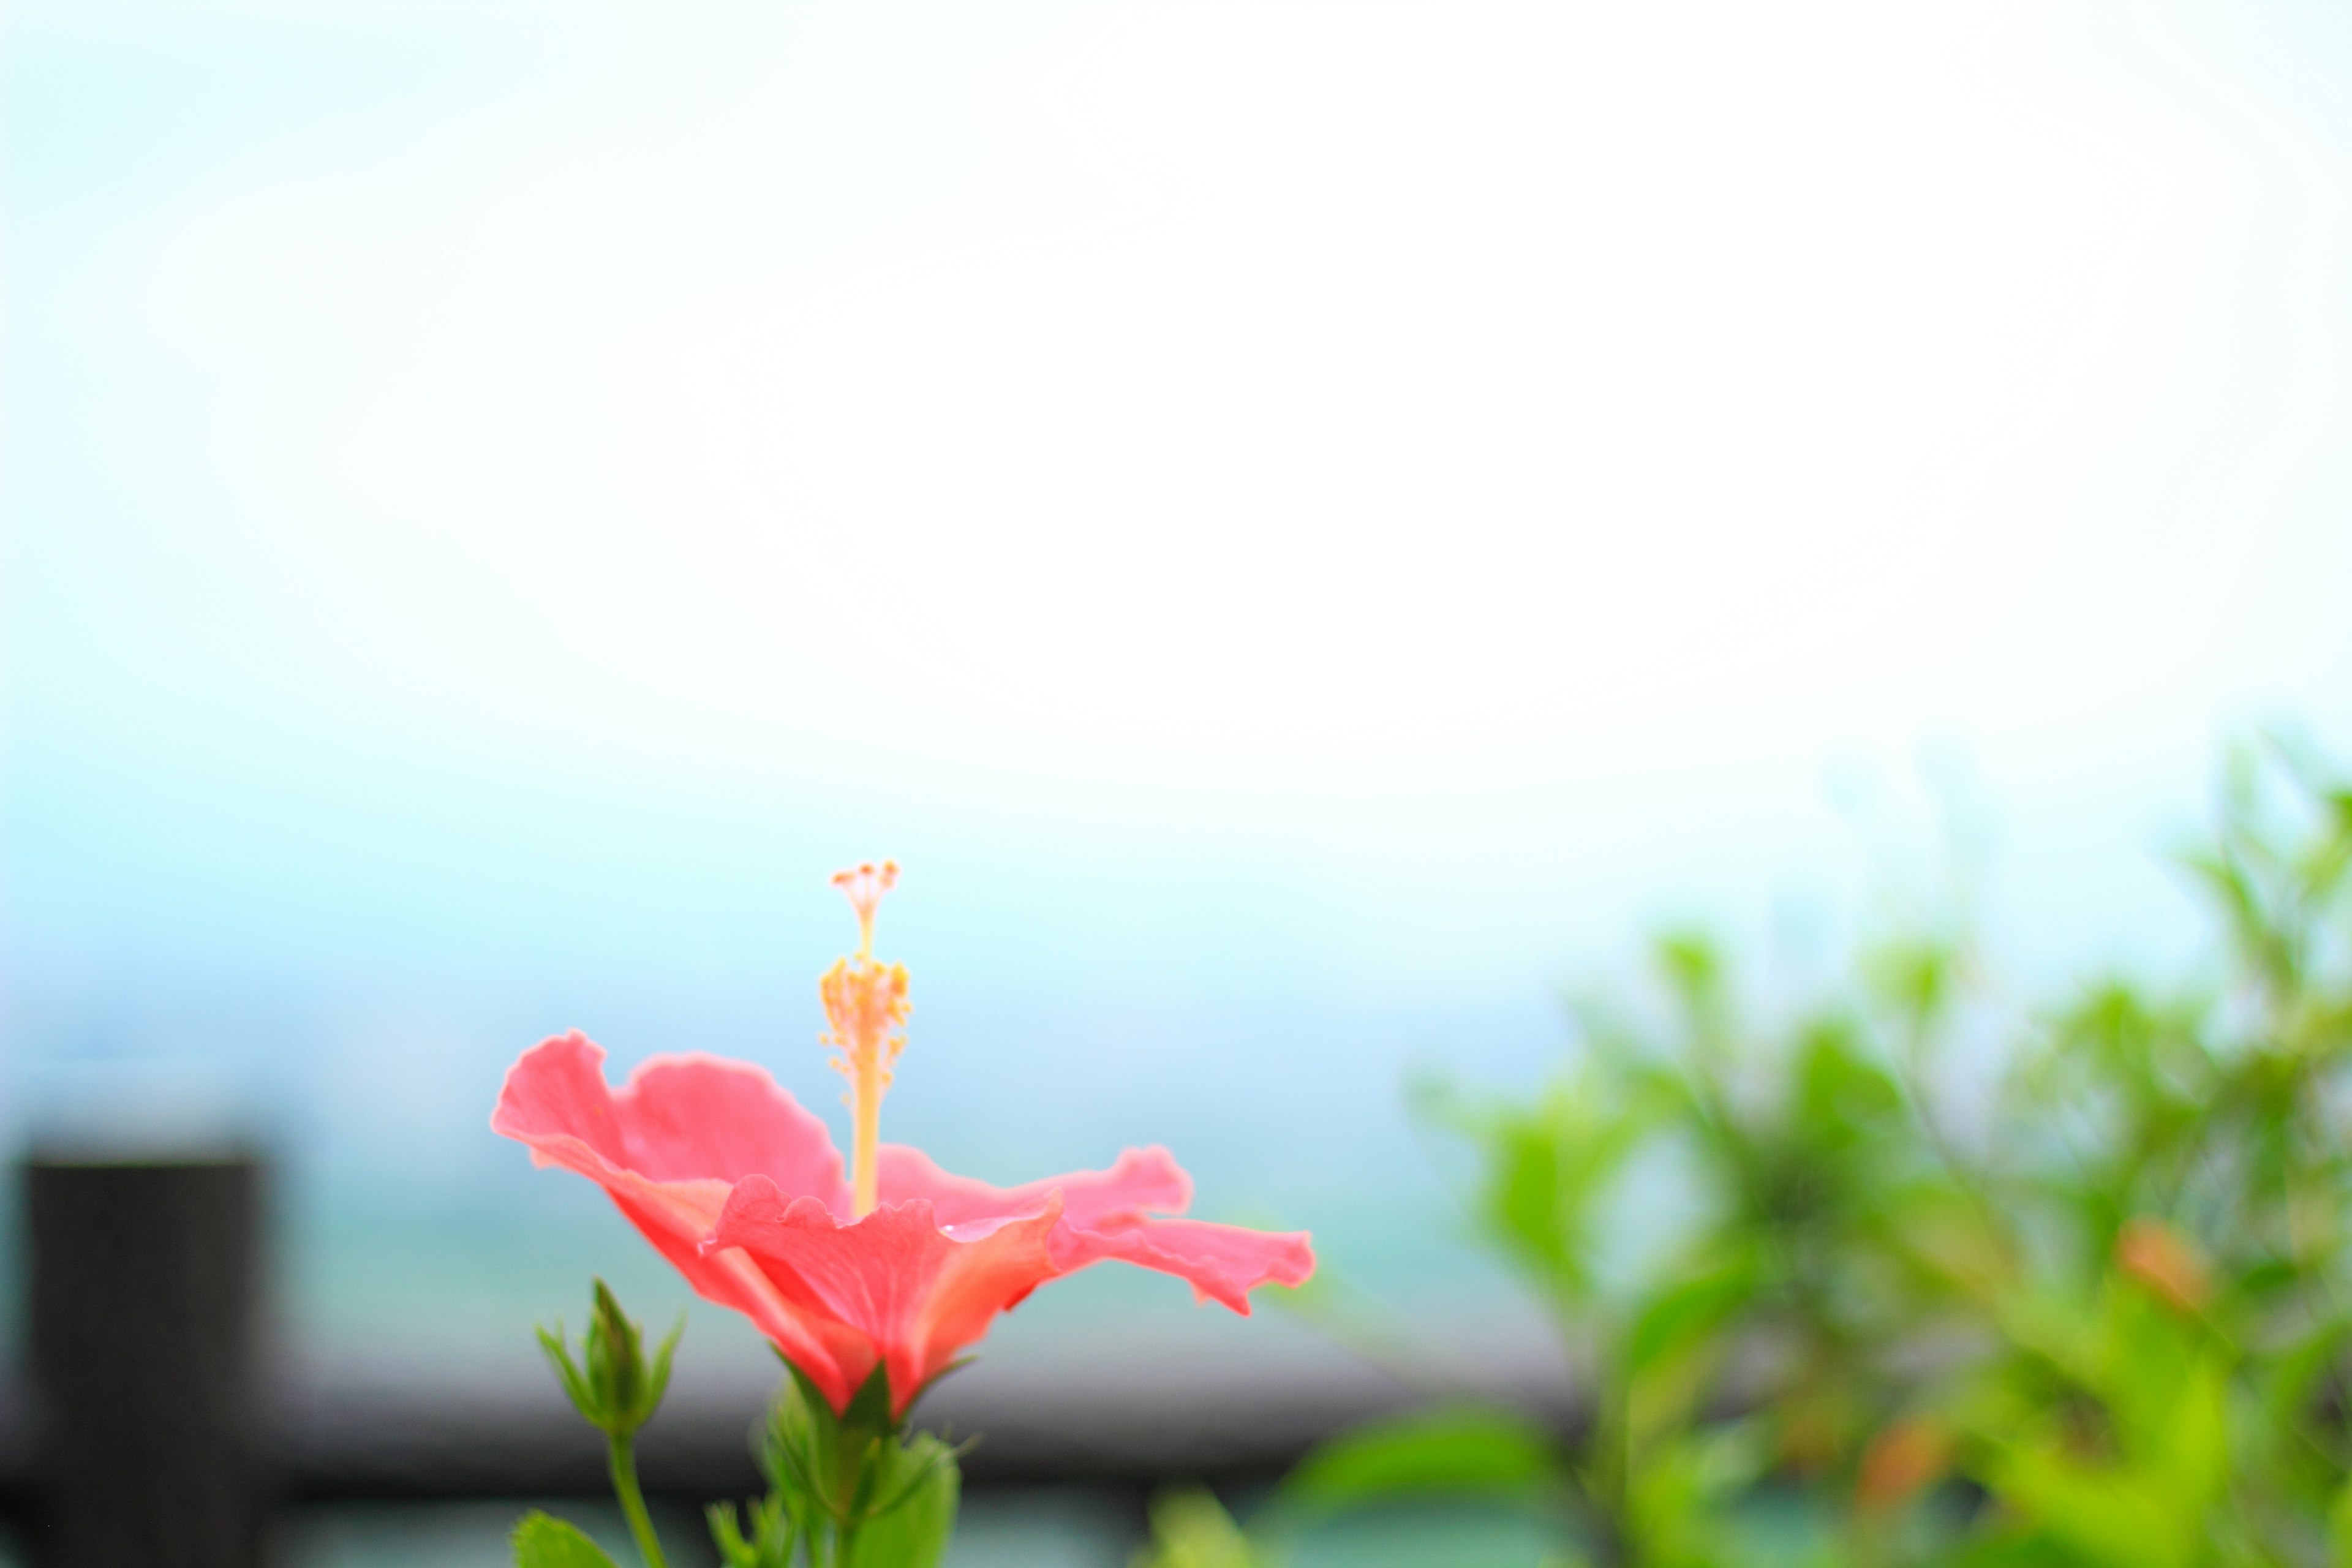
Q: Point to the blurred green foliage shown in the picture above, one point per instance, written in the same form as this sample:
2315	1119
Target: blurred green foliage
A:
1190	1529
543	1541
1942	1285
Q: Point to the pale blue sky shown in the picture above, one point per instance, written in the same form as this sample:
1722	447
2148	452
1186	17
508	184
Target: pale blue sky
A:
1304	526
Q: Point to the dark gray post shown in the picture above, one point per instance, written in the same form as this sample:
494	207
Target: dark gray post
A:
146	1295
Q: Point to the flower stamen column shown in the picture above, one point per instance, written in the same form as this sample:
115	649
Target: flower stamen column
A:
866	1004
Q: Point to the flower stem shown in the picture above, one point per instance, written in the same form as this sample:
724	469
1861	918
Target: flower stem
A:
633	1501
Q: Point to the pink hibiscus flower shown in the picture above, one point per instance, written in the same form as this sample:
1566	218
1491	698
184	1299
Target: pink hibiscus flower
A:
902	1264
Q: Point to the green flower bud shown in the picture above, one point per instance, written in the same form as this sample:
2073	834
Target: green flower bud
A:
617	1390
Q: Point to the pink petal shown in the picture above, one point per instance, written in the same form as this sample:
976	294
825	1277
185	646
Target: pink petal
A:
679	1118
1138	1179
835	1360
1223	1262
918	1293
666	1148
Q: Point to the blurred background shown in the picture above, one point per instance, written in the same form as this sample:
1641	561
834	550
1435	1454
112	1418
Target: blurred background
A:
1305	527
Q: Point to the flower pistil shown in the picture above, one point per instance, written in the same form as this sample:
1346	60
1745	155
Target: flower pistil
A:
866	1004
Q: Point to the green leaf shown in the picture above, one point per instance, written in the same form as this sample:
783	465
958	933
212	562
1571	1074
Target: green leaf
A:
1547	1165
1677	1340
541	1540
1531	1204
1688	1311
1678	1491
1915	977
2014	1551
2339	1527
2191	1454
1693	969
2110	1516
1465	1450
1841	1094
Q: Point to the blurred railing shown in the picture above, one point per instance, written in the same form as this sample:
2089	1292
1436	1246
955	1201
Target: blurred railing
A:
150	1433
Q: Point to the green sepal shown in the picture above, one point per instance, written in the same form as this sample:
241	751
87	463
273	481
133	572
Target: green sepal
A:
890	1496
558	1349
775	1534
824	1456
542	1541
868	1419
915	1508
